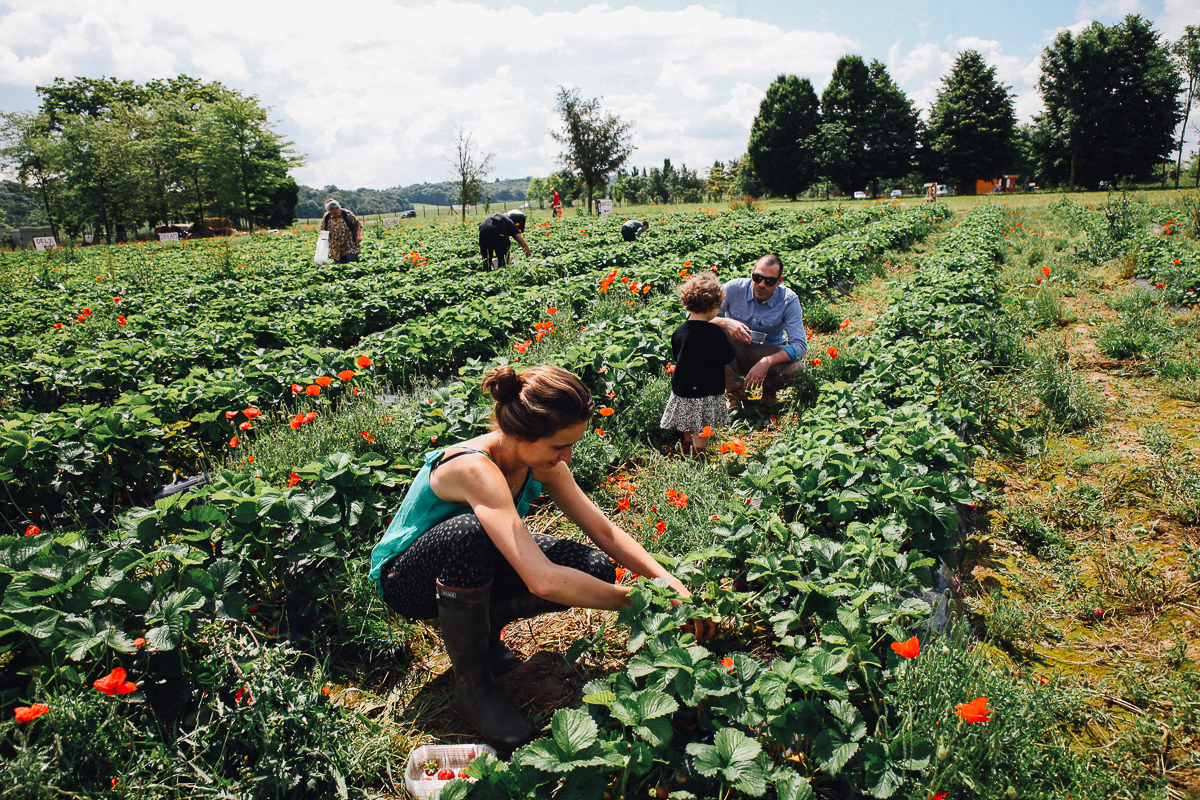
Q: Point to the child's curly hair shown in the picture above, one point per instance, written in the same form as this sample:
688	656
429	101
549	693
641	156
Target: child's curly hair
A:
701	293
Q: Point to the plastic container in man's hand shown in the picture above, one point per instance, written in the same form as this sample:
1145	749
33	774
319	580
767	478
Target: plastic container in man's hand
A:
437	758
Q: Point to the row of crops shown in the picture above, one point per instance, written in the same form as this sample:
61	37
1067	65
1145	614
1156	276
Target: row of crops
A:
127	368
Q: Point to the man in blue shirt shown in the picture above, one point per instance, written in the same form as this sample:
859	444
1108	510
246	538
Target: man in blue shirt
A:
765	324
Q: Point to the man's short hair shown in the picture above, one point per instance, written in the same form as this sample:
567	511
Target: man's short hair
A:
770	260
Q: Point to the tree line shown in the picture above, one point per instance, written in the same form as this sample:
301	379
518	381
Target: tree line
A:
105	156
1113	105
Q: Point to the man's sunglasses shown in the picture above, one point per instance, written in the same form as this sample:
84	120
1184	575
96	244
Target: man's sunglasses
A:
757	278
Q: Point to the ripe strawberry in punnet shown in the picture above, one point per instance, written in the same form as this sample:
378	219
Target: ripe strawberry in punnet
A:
445	775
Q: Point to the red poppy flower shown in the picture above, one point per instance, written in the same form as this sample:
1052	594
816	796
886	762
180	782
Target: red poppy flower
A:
121	321
296	388
831	352
908	649
606	412
80	317
32	530
87	312
1045	270
116	299
816	362
114	683
247	425
670	367
233	442
599	431
138	642
243	692
323	381
551	310
623	504
357	391
313	390
687	264
1160	285
251	413
620	574
362	361
626	279
734	445
296	422
367	436
974	711
29	713
660	526
230	414
938	796
727	663
309	416
58	324
845	323
671	493
521	346
293	480
345	375
680	500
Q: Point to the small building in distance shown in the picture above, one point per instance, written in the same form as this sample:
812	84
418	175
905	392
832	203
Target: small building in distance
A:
1007	183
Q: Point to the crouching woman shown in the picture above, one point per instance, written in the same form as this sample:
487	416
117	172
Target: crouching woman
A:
459	550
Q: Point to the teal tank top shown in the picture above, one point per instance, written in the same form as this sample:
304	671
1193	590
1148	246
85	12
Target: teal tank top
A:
422	510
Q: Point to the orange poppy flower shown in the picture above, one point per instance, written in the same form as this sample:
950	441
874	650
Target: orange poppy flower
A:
671	492
606	412
620	574
816	362
623	504
367	436
599	431
323	381
295	423
233	442
660	526
345	375
230	414
121	321
552	310
114	683
1046	270
974	711
313	390
680	500
727	663
138	642
734	445
247	425
908	649
251	413
296	388
58	324
831	352
29	713
362	361
87	312
707	432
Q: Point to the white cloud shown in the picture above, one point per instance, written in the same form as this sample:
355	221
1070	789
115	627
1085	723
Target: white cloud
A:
1176	15
1108	9
372	90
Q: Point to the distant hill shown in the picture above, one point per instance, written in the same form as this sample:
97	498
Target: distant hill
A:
400	198
361	201
444	193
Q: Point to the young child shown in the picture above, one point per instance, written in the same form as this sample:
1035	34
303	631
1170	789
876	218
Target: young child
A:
701	352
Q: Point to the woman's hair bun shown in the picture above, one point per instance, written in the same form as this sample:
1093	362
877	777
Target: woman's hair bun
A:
503	384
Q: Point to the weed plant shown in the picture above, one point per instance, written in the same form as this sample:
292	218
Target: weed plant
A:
1142	328
1174	475
1068	401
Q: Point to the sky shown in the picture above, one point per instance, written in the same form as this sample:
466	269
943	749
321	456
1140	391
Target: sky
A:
372	92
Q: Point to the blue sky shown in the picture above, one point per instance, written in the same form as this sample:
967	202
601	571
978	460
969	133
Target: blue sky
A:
371	91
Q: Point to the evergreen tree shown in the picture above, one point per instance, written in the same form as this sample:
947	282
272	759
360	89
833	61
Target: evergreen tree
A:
781	136
879	126
1111	106
972	124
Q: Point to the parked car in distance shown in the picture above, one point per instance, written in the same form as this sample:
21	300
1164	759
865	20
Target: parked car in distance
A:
943	189
524	205
897	193
860	195
412	212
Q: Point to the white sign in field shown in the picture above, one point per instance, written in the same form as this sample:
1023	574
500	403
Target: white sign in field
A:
44	243
390	222
605	207
168	237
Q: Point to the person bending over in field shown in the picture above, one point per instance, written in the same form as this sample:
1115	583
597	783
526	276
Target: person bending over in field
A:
494	233
458	548
345	233
634	228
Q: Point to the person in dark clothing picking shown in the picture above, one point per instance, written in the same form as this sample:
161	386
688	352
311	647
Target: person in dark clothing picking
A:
634	228
494	234
701	350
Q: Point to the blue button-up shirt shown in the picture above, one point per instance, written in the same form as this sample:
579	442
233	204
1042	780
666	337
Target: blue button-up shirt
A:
781	317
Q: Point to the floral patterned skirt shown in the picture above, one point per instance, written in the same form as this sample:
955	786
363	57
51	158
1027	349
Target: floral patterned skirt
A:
693	413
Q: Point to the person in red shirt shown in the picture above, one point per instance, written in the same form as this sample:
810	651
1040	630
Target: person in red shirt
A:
555	203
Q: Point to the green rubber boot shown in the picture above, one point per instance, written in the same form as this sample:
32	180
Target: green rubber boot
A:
465	630
523	606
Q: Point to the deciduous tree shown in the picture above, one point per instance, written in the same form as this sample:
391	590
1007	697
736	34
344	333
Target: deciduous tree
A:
469	167
780	138
1111	103
1187	56
972	123
596	143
